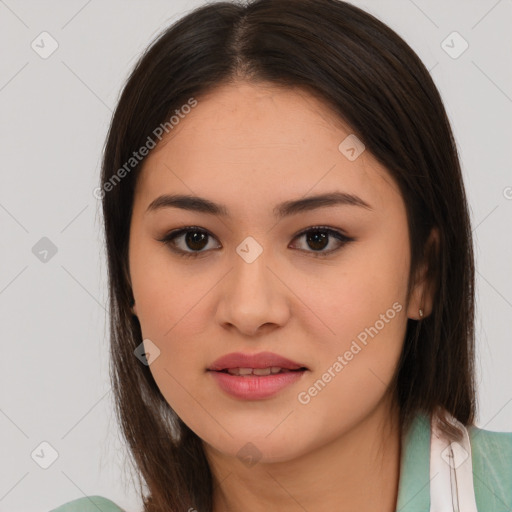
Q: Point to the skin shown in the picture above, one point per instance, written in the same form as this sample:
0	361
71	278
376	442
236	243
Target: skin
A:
251	147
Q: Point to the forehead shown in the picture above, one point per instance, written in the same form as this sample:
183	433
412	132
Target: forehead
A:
246	143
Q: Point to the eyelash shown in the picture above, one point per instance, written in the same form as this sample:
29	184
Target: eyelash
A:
169	238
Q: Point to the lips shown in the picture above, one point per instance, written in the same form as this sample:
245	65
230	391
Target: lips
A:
237	361
255	376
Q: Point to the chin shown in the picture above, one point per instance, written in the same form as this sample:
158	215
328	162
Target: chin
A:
257	446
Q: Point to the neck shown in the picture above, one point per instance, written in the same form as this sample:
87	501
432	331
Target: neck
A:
336	476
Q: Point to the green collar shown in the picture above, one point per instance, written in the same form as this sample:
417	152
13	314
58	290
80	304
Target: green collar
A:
414	482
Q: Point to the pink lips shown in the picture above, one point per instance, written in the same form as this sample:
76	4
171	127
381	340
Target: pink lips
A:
261	360
255	387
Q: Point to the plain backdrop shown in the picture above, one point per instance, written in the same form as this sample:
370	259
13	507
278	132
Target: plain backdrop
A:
55	112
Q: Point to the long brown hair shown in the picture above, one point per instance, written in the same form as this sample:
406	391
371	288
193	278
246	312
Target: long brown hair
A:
377	85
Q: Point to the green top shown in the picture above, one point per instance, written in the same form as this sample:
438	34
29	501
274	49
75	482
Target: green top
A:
492	473
491	454
89	504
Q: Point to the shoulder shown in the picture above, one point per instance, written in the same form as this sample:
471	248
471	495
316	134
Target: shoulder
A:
89	504
492	445
492	466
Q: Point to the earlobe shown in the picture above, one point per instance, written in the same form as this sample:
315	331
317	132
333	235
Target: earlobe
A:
420	305
422	298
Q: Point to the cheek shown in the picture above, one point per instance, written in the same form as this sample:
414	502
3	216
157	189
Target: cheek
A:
172	321
358	355
163	291
171	311
365	315
179	370
168	309
355	365
353	299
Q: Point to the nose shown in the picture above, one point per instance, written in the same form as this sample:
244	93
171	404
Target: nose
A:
253	298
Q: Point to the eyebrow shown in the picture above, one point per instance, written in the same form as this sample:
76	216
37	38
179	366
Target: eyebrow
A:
285	209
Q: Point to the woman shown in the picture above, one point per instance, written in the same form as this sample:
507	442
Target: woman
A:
291	272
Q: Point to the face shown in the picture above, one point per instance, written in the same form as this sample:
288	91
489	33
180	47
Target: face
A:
260	279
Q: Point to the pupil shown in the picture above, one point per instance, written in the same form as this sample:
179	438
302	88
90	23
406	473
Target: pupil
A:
195	237
317	237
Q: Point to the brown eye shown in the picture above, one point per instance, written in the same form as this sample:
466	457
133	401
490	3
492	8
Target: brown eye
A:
318	238
194	242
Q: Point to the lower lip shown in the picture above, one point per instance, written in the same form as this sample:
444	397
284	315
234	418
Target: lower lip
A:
255	387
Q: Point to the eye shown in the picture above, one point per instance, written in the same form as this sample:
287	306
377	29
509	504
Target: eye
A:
196	239
318	238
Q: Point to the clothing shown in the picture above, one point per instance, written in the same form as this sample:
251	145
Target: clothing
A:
423	478
89	504
431	472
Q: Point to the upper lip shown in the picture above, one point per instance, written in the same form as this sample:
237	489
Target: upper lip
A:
261	360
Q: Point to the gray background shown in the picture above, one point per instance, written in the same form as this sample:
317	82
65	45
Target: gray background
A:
55	113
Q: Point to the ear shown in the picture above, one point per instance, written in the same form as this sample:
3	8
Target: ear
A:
134	309
422	295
